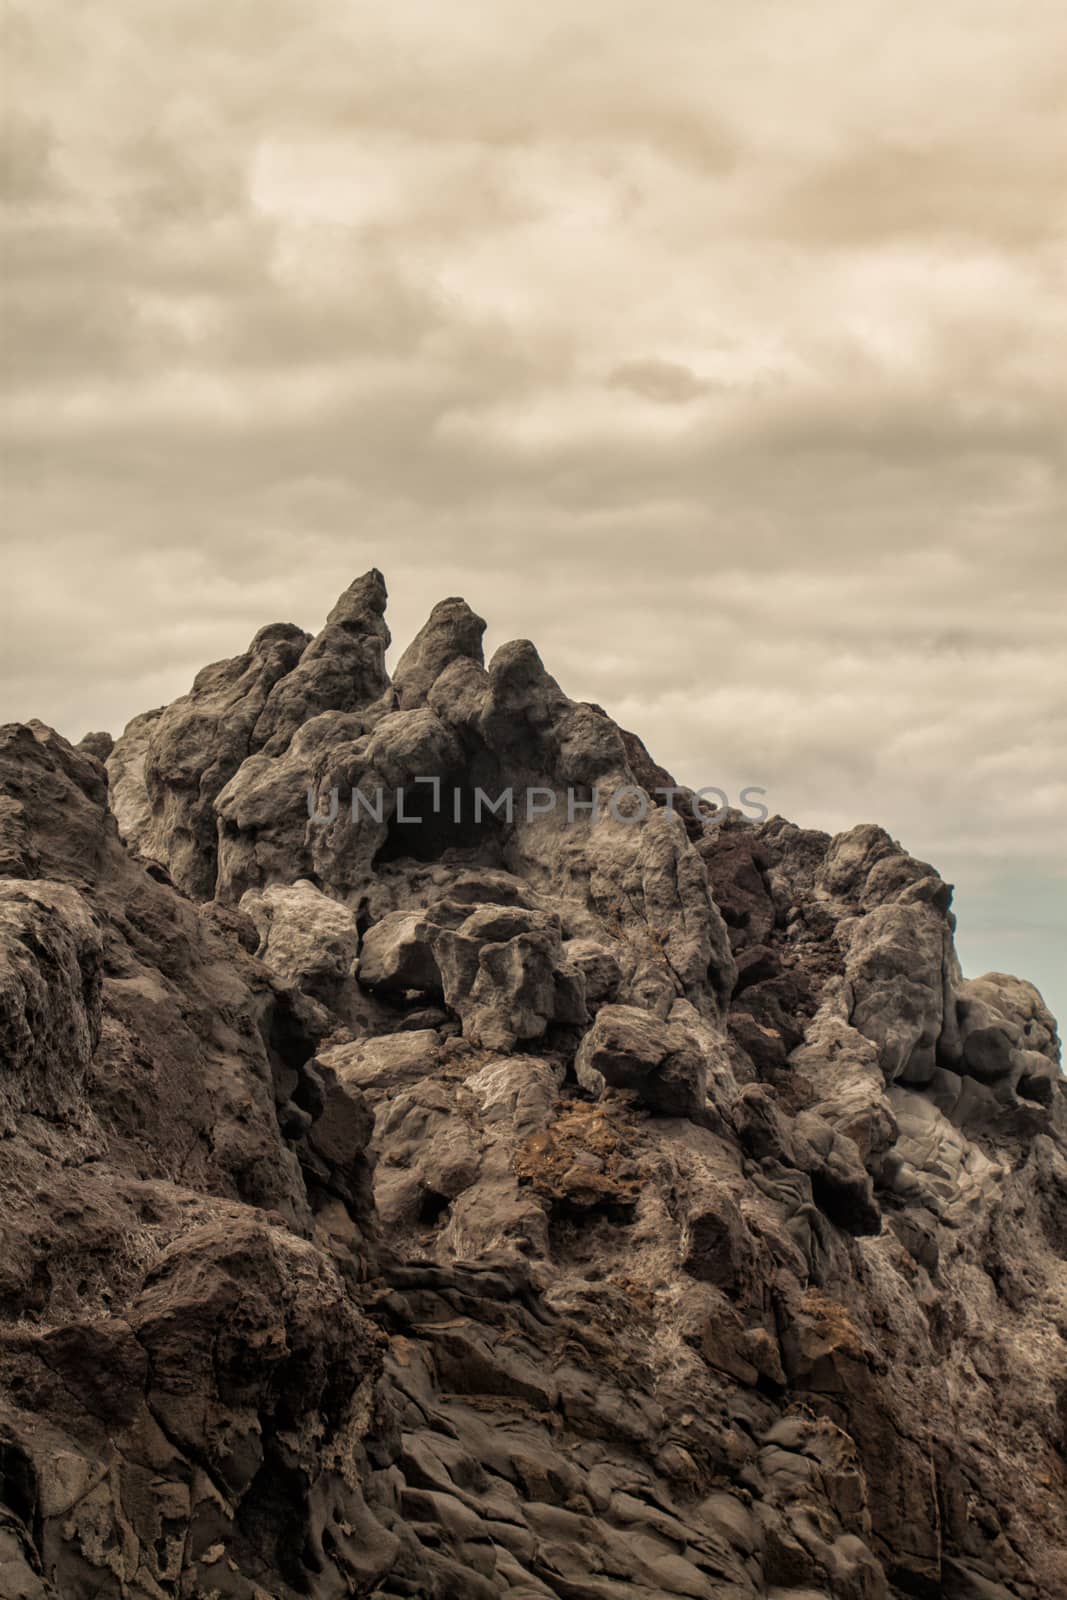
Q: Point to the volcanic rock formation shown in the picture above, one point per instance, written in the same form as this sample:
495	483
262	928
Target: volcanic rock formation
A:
408	1192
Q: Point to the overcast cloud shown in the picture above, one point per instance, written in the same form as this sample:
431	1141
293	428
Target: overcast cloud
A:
721	349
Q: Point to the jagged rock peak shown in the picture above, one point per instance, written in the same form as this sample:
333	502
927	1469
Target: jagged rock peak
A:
99	745
452	632
343	667
362	605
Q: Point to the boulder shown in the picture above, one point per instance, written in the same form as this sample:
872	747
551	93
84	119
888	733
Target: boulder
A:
398	954
99	745
305	937
627	1048
504	974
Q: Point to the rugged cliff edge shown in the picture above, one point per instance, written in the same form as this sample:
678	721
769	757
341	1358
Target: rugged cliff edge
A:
396	1201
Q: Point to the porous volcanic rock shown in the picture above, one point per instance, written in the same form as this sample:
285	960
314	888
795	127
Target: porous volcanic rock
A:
435	1163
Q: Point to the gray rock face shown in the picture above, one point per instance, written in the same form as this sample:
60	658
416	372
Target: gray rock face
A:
342	667
896	968
504	975
171	1172
398	955
598	966
187	753
561	1202
306	938
50	957
501	970
627	1048
128	791
1008	1036
452	633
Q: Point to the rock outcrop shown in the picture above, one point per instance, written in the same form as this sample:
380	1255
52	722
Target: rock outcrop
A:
434	1161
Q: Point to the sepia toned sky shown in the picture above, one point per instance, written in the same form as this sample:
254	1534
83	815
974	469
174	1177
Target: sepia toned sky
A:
719	348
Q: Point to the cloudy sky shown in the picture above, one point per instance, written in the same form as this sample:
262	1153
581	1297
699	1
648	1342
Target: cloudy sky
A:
720	348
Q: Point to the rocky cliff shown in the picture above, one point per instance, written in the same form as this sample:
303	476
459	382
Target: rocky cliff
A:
415	1193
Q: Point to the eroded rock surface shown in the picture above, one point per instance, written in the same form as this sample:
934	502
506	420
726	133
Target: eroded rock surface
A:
501	1183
